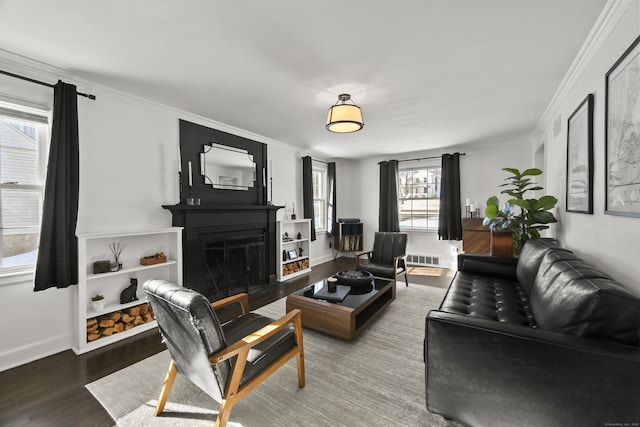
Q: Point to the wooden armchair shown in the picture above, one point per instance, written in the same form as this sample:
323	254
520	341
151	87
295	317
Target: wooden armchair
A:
227	360
388	257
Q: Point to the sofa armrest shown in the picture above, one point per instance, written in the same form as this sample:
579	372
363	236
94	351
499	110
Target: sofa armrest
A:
487	265
484	372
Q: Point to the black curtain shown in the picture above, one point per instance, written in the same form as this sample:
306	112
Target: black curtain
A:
450	219
332	211
307	193
57	264
388	218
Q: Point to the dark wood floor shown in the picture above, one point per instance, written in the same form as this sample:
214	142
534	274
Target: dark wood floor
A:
51	392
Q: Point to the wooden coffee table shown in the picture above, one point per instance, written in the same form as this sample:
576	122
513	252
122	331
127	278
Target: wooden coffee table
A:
346	319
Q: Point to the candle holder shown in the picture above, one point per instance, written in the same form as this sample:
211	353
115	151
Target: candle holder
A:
192	201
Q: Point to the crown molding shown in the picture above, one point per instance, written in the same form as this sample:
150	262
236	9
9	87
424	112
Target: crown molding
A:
604	26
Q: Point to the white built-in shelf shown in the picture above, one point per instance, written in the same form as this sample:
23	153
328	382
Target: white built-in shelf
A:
94	247
128	270
290	268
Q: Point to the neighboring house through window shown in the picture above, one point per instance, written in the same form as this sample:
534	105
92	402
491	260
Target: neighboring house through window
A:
419	198
320	196
23	145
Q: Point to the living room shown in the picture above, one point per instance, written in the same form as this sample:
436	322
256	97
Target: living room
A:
129	156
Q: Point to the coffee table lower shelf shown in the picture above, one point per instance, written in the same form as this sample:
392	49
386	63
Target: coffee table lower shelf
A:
341	320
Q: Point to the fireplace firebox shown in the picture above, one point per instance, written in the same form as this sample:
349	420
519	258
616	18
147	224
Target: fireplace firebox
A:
227	249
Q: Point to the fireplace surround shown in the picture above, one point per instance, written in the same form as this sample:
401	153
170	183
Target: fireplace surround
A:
229	241
227	249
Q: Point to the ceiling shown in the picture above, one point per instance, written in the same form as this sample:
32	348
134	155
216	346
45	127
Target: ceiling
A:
427	73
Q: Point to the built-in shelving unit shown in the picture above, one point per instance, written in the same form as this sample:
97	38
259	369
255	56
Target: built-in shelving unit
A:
94	247
293	236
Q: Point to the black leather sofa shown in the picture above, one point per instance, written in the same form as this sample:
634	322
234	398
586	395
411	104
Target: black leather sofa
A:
541	340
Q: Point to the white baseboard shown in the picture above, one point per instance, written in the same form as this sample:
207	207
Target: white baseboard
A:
34	351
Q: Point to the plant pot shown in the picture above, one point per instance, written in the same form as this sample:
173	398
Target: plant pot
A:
501	243
97	305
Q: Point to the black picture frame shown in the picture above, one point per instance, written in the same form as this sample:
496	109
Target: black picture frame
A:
622	134
579	191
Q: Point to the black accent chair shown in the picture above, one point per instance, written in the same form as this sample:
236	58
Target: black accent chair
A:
388	257
227	360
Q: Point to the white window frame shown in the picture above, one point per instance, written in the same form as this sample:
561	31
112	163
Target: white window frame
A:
421	190
320	169
43	118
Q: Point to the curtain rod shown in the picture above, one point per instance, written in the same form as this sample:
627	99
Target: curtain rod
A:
17	76
424	158
316	160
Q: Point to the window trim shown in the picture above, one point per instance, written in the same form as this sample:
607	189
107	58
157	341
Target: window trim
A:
318	167
25	272
426	166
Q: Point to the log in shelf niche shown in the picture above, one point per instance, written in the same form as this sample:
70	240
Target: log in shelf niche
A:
118	321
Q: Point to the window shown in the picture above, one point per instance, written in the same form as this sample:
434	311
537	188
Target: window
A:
23	142
320	197
419	198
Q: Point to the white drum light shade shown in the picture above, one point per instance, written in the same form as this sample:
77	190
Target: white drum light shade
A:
344	118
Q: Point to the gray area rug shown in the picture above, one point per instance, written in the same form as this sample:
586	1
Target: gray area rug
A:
376	380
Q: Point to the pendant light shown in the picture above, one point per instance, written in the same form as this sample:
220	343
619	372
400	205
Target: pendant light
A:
343	117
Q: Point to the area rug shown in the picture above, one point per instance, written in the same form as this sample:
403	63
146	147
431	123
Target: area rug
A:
376	380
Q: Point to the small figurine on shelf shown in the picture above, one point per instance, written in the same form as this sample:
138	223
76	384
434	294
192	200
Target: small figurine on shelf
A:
293	211
128	294
299	236
300	251
286	238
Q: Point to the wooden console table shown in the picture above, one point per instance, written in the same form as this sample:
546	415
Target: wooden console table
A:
476	238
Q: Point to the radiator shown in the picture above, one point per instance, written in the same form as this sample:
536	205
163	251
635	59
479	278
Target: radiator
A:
413	259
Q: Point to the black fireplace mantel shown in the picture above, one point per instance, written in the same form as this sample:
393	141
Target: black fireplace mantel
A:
227	219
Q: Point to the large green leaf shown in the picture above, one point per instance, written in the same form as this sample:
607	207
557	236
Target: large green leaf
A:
513	171
547	202
491	211
523	203
532	172
542	217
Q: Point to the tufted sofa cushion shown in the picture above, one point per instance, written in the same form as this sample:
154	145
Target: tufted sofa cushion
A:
487	297
571	296
530	258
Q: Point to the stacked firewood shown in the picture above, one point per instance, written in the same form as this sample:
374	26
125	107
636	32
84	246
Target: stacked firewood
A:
118	321
295	266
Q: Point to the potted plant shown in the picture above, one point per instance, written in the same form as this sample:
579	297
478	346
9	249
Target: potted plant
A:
97	302
522	217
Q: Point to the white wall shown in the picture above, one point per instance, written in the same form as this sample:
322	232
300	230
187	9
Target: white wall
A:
609	242
480	174
128	170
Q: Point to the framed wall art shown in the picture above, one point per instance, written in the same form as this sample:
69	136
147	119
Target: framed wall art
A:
622	134
580	158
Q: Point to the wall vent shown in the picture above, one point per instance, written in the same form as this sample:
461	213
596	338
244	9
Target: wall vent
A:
432	260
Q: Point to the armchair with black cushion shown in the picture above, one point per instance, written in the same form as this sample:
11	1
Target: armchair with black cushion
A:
226	360
388	257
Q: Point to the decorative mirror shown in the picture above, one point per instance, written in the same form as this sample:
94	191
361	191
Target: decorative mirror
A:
227	168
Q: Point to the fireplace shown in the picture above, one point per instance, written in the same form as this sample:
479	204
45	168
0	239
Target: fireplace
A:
227	249
233	263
